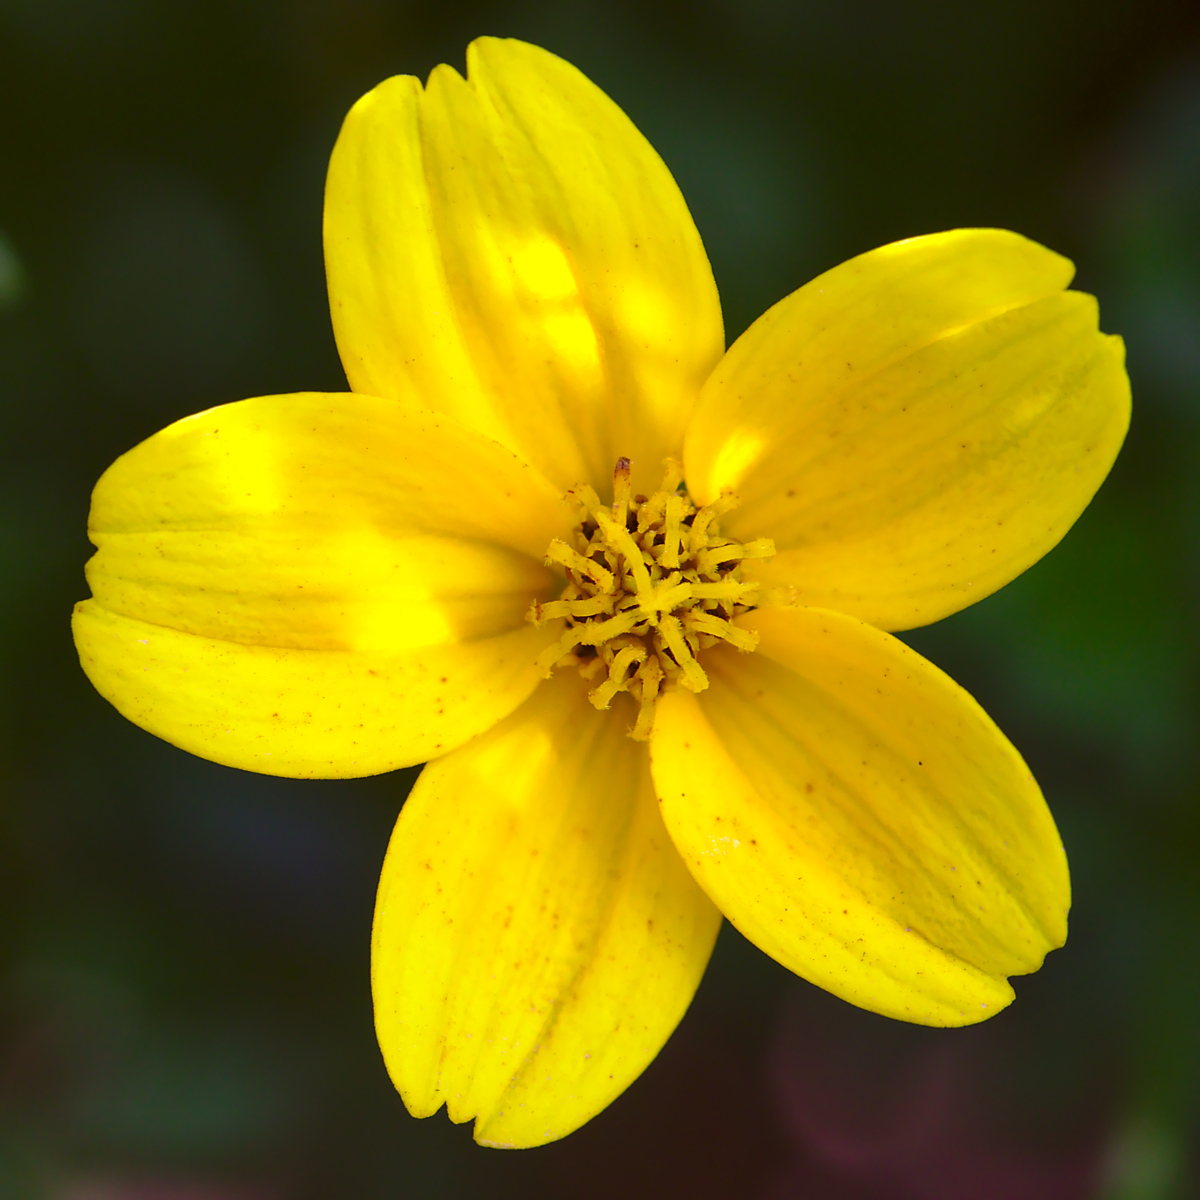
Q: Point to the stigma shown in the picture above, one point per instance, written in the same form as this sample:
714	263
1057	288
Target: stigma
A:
651	584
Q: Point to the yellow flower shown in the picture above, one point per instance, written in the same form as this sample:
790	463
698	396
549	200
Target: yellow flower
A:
338	585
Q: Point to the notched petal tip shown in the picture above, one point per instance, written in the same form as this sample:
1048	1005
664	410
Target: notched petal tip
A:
316	585
857	815
510	248
536	937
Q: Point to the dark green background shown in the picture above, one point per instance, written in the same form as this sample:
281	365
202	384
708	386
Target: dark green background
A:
184	1009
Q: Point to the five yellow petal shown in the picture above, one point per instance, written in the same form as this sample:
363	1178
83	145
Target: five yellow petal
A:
331	585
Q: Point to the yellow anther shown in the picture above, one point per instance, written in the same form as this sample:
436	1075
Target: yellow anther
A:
664	597
562	554
651	585
585	495
649	519
571	638
708	561
618	538
590	606
616	682
718	627
676	510
596	633
694	678
650	676
706	516
673	477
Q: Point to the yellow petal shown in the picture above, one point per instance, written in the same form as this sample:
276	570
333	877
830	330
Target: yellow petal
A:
317	585
858	816
536	936
511	250
916	427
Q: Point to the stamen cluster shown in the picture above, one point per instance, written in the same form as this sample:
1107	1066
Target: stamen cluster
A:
650	584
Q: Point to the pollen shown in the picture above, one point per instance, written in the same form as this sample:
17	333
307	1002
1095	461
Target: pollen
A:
651	585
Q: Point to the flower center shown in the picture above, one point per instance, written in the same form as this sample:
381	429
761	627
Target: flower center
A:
650	584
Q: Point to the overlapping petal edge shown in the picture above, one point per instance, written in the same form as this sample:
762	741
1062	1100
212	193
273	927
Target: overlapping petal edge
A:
324	585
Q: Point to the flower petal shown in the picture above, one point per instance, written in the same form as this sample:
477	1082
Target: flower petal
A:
915	427
510	249
860	818
537	937
317	585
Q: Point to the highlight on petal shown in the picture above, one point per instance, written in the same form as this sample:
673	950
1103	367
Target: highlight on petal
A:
915	427
511	250
859	817
317	585
537	937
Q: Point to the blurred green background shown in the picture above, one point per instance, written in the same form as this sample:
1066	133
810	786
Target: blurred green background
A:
184	1007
